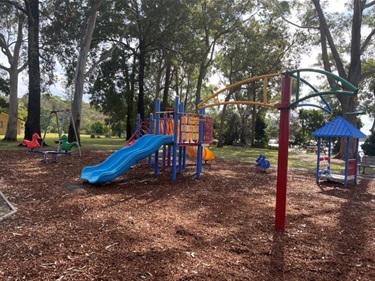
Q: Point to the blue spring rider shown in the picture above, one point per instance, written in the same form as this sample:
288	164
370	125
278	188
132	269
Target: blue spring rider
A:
262	163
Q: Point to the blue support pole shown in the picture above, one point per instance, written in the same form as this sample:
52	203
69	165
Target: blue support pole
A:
164	146
175	132
346	162
318	161
329	155
180	148
356	160
200	141
157	130
150	128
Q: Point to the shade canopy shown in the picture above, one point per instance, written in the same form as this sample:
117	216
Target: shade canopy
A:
338	127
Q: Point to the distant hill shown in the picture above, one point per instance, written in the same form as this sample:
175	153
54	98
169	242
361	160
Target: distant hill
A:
51	102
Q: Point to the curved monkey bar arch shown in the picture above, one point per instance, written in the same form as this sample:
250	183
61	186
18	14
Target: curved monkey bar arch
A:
296	74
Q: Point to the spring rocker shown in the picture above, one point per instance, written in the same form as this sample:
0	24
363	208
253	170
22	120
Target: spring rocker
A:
63	148
34	143
262	163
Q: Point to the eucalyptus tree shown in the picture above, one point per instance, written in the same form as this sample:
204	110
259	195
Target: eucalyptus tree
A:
86	33
69	37
154	27
112	90
346	42
367	96
260	46
149	53
33	107
13	48
211	22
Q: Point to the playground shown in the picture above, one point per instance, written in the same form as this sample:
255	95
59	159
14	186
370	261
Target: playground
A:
145	227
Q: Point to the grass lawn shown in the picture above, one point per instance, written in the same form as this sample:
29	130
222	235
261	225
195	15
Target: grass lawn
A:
297	159
87	142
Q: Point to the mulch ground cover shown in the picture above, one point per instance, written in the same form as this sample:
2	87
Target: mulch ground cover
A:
146	227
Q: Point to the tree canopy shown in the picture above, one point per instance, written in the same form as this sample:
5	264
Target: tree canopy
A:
124	54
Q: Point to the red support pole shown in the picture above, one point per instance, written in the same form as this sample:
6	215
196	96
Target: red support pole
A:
282	167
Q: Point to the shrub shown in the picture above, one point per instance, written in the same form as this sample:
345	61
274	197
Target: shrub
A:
97	128
369	145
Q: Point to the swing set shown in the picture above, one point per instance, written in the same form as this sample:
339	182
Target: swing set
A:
63	146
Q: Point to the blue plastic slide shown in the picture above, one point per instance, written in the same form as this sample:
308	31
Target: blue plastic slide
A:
121	161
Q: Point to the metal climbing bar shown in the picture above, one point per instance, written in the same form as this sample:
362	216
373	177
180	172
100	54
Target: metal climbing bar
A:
265	103
351	90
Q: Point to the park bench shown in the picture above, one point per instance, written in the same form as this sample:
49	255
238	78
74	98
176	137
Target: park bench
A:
366	162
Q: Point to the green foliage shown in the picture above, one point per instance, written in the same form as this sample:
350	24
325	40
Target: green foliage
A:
232	132
49	103
97	128
310	121
4	86
369	145
261	137
3	103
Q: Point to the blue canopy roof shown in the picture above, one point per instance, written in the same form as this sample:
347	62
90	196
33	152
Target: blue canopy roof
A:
339	127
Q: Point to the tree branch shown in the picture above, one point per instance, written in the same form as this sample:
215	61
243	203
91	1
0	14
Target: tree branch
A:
366	74
4	47
367	41
368	5
325	28
15	4
23	67
4	68
300	26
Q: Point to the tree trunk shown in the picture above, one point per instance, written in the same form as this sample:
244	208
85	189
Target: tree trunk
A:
11	132
201	75
141	94
33	108
354	76
166	85
79	80
354	73
220	142
130	86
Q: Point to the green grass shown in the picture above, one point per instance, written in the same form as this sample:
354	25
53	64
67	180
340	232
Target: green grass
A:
86	141
296	159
